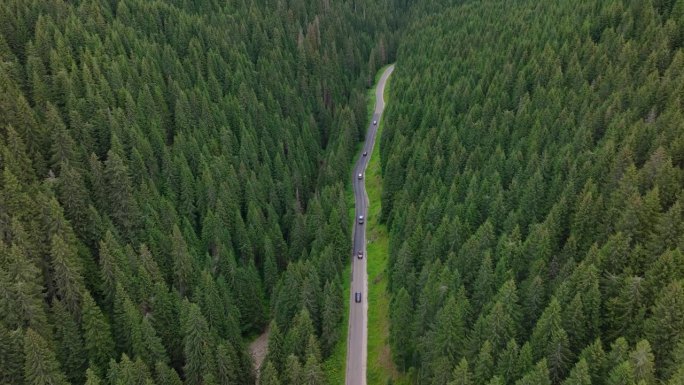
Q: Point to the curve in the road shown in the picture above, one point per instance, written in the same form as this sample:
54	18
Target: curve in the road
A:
358	312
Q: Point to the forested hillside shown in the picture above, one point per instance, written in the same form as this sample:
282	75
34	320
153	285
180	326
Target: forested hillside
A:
171	178
532	161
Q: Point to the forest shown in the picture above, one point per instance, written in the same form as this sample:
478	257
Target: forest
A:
532	160
172	181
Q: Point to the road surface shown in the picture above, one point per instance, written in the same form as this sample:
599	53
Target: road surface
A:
358	312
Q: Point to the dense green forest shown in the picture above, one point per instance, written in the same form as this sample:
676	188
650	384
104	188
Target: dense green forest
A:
172	178
532	160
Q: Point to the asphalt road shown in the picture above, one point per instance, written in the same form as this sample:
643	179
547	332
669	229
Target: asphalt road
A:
357	338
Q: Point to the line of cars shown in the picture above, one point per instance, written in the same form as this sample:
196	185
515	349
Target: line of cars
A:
359	254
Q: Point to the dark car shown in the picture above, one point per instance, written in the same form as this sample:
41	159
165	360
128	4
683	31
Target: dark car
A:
357	296
365	153
360	219
359	255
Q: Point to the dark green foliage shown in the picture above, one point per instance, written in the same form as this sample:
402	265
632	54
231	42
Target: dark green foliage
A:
269	375
158	151
69	349
11	356
97	337
198	346
535	150
40	364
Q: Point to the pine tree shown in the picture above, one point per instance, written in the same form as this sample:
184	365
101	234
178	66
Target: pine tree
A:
183	265
92	378
67	273
559	356
312	372
484	284
461	374
627	310
484	367
331	316
11	356
294	370
666	325
226	363
548	324
579	375
22	296
121	202
642	361
276	346
166	375
400	314
506	365
269	375
98	342
40	365
197	346
298	336
539	375
621	375
69	343
595	357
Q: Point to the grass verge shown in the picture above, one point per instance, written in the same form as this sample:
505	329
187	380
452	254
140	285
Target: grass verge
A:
380	366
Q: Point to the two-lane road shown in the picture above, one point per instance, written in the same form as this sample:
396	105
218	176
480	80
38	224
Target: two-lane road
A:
358	312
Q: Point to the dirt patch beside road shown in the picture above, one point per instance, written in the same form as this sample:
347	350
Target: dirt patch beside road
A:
258	349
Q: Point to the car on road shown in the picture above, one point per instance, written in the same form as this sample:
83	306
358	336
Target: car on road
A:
365	153
375	122
360	219
359	255
357	296
360	176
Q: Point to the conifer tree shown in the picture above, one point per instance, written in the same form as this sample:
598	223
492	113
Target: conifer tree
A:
92	378
539	375
484	367
11	356
97	337
579	375
166	375
400	337
69	343
276	347
666	324
461	374
642	362
67	273
197	346
40	365
226	365
269	375
294	370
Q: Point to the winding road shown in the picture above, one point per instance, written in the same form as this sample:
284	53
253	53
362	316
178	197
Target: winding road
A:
358	312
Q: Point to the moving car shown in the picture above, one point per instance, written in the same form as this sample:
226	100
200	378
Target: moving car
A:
360	176
357	296
365	153
360	255
360	219
375	122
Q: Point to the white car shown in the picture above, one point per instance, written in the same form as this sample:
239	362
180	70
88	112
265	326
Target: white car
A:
360	219
360	176
375	122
